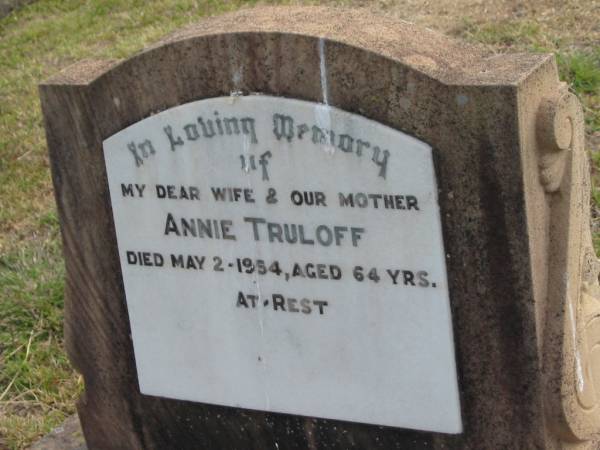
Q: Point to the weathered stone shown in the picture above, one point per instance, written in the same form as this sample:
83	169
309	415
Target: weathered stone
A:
514	200
68	436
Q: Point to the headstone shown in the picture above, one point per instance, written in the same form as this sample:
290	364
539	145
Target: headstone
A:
318	228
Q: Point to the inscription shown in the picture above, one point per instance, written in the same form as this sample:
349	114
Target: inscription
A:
259	244
284	127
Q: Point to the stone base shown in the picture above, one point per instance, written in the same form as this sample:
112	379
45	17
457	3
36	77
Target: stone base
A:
68	436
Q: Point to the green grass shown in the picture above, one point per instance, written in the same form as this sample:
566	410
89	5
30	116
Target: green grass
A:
37	386
582	70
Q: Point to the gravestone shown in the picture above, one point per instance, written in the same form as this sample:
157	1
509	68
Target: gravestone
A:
320	228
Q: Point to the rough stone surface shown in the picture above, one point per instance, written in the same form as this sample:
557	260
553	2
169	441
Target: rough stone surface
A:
514	220
66	437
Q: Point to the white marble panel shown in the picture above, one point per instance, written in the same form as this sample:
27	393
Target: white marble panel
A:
282	296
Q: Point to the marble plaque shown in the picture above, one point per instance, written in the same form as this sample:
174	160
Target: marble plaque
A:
285	256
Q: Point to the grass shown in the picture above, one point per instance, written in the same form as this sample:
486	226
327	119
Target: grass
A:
582	71
37	386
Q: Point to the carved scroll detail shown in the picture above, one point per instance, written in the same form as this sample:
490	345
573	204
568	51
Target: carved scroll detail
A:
573	324
588	323
555	132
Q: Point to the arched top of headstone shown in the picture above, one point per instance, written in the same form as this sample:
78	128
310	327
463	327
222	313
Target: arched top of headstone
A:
384	69
447	60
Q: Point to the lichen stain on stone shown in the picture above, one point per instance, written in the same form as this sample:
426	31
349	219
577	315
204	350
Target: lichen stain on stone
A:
323	71
462	100
323	111
578	366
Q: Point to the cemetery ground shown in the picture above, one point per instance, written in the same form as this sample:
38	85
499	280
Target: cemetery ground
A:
38	388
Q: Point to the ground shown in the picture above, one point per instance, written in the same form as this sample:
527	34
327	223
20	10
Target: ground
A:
38	388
